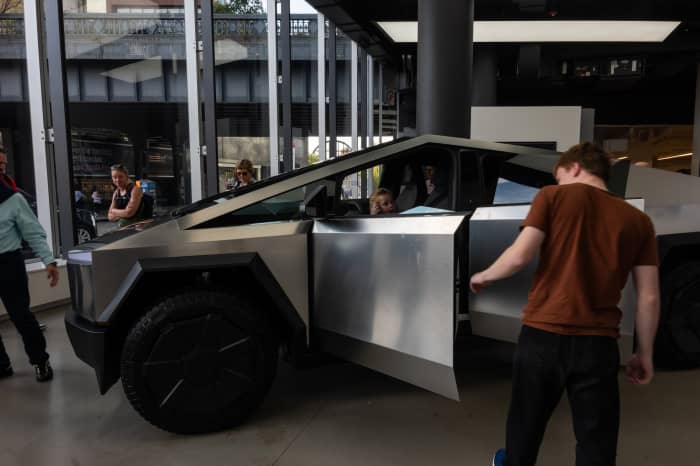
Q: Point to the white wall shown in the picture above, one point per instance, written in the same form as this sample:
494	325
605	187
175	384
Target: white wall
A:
528	124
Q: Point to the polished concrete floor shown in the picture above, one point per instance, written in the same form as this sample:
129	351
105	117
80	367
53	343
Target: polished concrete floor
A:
337	414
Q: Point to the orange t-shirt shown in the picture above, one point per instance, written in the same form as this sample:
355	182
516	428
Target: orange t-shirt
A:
593	240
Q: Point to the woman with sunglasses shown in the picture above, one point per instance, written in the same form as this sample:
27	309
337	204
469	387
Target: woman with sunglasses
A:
244	174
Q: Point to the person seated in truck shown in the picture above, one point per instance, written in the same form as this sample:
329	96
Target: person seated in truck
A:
381	202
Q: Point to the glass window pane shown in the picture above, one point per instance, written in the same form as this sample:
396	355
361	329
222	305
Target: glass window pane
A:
128	104
510	192
343	57
15	128
304	44
668	147
242	101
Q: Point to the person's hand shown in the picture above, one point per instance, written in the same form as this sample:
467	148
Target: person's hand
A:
478	282
640	369
52	274
111	217
375	209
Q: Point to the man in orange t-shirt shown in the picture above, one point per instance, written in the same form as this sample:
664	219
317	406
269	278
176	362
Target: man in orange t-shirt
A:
588	241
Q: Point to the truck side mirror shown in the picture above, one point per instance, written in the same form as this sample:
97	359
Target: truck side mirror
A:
314	205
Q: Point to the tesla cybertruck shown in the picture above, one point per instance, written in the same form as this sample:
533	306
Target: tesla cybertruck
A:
191	311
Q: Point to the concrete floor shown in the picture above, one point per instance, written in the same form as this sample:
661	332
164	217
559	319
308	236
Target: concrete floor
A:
338	414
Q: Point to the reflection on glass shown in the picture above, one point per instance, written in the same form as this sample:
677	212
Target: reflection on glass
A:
343	60
668	147
510	192
304	41
242	124
127	88
15	130
385	84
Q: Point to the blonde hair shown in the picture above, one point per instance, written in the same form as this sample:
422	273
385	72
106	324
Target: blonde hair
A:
380	192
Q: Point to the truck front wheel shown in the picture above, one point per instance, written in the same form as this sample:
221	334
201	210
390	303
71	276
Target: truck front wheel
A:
199	361
678	339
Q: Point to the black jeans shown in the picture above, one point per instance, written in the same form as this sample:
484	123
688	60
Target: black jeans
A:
544	365
14	292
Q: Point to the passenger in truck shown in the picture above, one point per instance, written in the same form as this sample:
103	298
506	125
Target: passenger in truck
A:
381	202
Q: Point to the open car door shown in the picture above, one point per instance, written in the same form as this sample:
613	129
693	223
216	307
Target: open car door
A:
496	311
384	294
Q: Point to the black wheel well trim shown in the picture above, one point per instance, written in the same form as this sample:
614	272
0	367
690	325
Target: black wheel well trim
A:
250	261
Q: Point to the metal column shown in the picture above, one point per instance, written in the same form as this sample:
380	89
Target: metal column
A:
362	58
33	42
193	107
370	101
286	88
211	152
380	87
445	36
695	161
353	96
60	131
272	87
321	78
332	91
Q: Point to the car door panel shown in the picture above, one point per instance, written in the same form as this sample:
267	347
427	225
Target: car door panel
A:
384	295
496	311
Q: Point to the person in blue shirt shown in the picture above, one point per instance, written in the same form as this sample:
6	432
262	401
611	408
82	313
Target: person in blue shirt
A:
17	223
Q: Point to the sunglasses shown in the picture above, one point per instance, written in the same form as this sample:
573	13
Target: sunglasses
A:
118	166
242	173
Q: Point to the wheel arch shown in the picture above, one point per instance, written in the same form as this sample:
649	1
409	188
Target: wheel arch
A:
676	249
151	279
676	253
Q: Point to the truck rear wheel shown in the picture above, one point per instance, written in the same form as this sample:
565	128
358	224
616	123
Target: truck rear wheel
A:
678	340
199	361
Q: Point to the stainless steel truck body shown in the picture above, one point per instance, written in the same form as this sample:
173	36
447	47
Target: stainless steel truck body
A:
190	310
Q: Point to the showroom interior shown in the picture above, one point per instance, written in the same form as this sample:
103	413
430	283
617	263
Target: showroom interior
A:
180	91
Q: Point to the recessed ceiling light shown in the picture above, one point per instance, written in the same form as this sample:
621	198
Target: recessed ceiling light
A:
548	31
677	156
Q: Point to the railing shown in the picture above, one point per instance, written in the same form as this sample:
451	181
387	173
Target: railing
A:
11	25
123	25
119	24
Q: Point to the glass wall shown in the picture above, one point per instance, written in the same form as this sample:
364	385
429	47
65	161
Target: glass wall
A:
343	63
127	92
304	30
383	104
15	127
126	76
667	147
242	97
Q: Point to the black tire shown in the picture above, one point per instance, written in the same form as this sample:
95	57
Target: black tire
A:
199	361
678	339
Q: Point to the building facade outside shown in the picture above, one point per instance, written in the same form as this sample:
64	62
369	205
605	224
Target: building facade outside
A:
126	76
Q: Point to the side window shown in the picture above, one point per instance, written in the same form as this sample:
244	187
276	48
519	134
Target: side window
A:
420	178
482	177
284	207
510	192
351	186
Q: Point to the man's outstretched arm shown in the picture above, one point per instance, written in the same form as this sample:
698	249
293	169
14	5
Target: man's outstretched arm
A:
515	258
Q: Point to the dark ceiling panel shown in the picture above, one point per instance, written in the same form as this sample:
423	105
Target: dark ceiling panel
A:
665	93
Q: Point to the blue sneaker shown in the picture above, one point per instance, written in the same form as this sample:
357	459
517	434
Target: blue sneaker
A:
498	457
